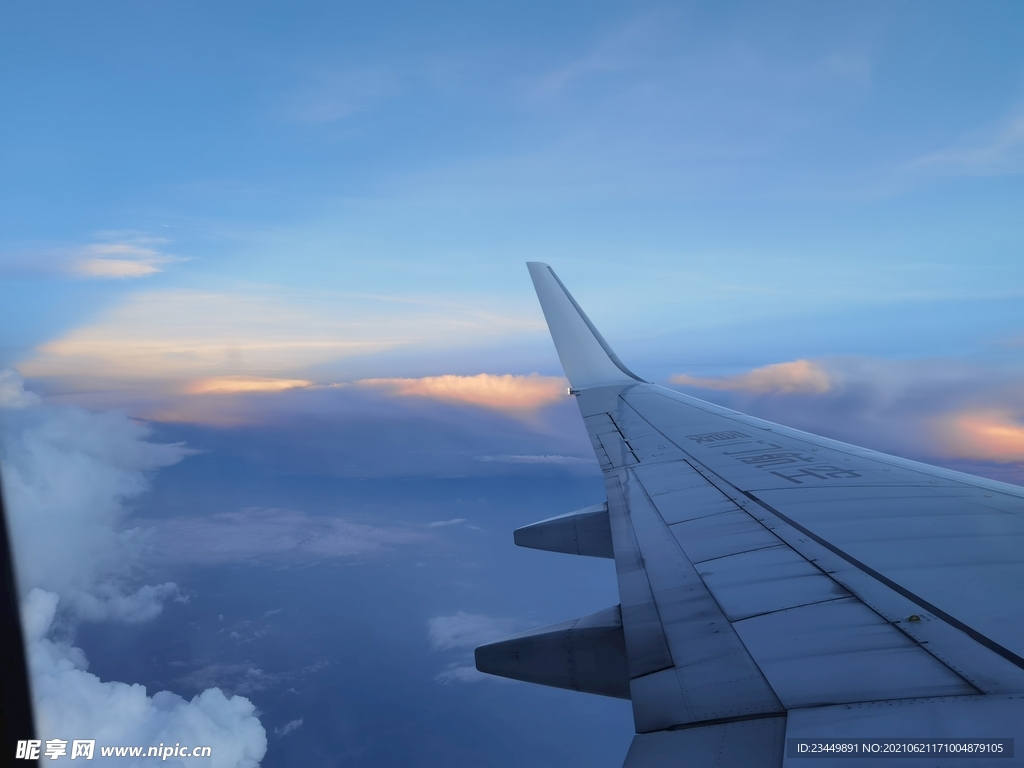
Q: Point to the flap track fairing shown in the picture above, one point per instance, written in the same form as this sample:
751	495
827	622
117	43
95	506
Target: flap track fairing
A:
586	532
586	654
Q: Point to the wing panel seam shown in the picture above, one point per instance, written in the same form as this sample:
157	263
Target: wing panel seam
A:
974	634
991	645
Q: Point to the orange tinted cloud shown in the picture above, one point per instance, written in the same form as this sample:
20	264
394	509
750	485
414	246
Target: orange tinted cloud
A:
176	336
987	435
233	384
116	268
503	393
796	377
132	258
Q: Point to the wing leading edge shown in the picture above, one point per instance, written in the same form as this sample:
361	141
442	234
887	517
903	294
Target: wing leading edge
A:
773	584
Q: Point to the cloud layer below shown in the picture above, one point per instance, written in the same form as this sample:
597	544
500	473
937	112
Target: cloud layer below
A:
463	632
67	475
931	409
992	435
499	392
71	702
798	376
226	385
256	535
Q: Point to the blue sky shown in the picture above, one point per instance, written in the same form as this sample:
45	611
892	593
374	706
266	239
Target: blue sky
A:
289	241
742	161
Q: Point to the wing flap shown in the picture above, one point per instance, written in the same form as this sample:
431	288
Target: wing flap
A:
765	581
952	544
840	651
712	675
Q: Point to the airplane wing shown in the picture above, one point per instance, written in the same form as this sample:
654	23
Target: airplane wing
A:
781	594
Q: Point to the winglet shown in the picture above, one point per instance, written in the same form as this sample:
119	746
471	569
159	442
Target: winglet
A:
586	358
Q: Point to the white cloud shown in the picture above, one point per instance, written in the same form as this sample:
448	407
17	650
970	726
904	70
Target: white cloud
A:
506	392
466	630
69	702
12	391
462	673
291	725
547	458
983	434
107	602
627	48
253	535
463	632
333	95
116	268
114	256
224	385
171	338
124	257
798	376
938	410
245	677
66	475
998	153
441	523
232	678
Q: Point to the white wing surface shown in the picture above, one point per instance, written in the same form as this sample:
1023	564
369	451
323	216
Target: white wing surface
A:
778	588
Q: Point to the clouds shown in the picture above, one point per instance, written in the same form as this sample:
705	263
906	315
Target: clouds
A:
12	391
67	474
175	335
237	679
506	392
119	255
289	727
252	536
169	339
230	400
222	385
333	95
799	376
109	602
130	256
997	152
936	410
628	47
463	632
661	106
545	458
992	435
72	703
466	630
354	431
